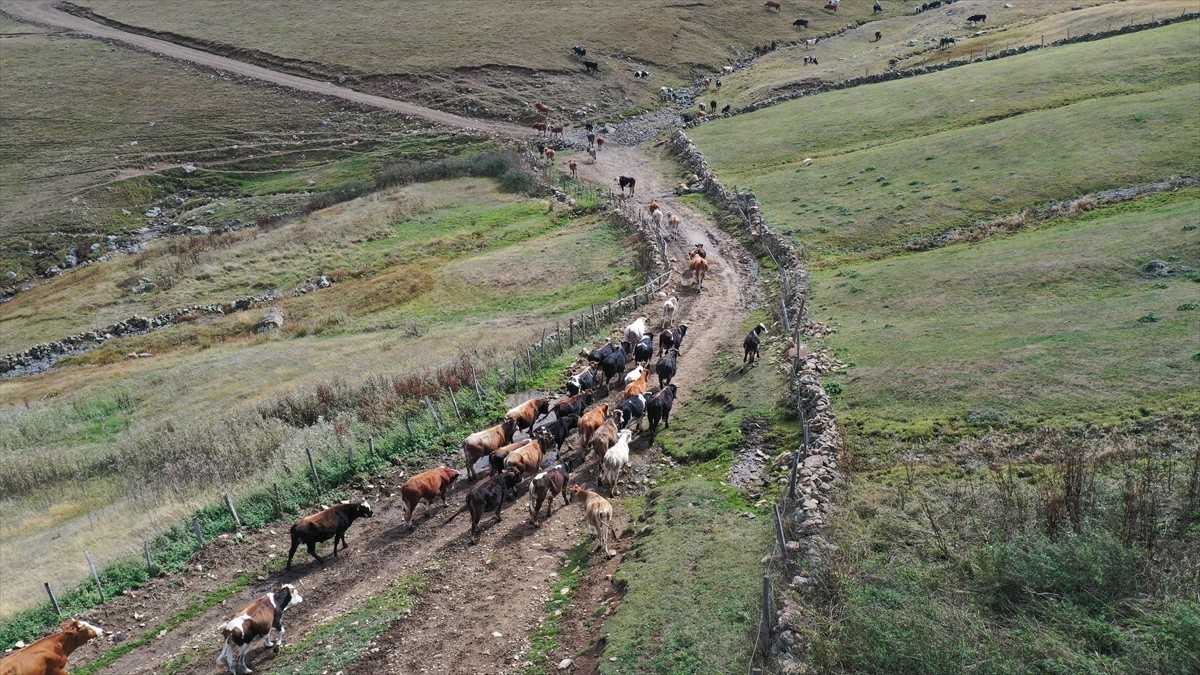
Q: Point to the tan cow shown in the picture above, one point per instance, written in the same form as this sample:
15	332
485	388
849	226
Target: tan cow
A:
589	422
599	516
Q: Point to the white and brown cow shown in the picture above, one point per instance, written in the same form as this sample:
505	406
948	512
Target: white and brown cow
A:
256	620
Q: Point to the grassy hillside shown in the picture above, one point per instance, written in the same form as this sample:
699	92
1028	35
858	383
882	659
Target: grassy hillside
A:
1046	326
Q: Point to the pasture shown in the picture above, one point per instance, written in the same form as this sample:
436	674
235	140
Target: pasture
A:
430	271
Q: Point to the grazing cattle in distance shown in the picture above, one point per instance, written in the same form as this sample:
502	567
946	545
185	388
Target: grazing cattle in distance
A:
573	405
632	408
878	8
698	266
556	432
49	654
725	110
558	130
256	620
330	523
425	487
708	82
592	153
573	168
728	70
658	218
811	60
598	355
635	330
773	4
613	364
591	138
639	385
659	408
800	23
712	105
486	496
599	516
589	422
946	41
751	343
545	487
644	349
626	182
579	51
550	154
486	442
526	414
878	36
600	146
615	459
541	128
674	221
604	437
977	18
591	66
496	459
526	460
654	206
671	338
667	366
542	108
669	308
582	381
832	6
641	74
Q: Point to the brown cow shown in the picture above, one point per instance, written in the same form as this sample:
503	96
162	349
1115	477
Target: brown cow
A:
540	126
589	422
526	459
699	268
528	412
558	130
573	167
256	620
496	460
332	522
542	108
604	437
549	154
599	516
599	143
638	386
486	442
426	486
48	656
772	4
548	484
573	405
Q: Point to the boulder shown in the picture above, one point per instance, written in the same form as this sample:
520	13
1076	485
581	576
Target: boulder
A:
272	320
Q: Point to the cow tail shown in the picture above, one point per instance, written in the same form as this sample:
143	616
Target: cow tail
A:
457	513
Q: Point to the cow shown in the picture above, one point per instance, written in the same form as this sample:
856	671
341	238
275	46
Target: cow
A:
615	459
330	523
545	487
698	266
256	620
654	206
526	460
426	486
591	139
541	128
573	405
725	110
671	338
496	459
528	412
658	217
579	51
589	422
712	106
772	4
635	331
644	349
549	152
800	23
635	374
592	154
669	307
604	437
613	364
599	516
878	35
582	381
728	70
486	496
659	408
49	655
486	442
639	385
600	146
573	167
558	130
625	181
811	60
832	6
666	367
556	432
946	41
674	221
598	355
542	108
878	8
591	66
750	344
977	18
632	408
641	74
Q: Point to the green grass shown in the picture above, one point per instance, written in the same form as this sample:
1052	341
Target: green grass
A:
1041	326
352	631
544	639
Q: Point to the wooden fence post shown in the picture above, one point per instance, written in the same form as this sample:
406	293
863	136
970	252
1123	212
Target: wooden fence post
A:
278	501
516	381
371	443
350	455
149	560
436	420
782	539
407	424
572	332
454	401
543	343
53	600
198	531
232	511
765	626
475	382
313	466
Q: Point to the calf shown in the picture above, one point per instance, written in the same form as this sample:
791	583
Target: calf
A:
667	366
644	349
800	23
426	486
638	386
549	152
635	331
598	355
573	405
657	217
579	51
599	147
330	523
574	168
750	344
604	437
556	432
635	374
659	408
591	154
599	516
49	655
725	110
256	620
527	413
527	459
582	381
878	35
613	364
623	181
674	221
486	442
542	108
669	308
496	459
772	4
811	60
545	487
486	496
878	8
671	339
632	408
590	422
615	459
591	66
977	18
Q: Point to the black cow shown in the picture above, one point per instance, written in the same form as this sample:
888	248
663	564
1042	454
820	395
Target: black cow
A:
644	349
330	523
800	23
632	408
598	355
725	110
548	484
556	431
667	365
582	382
627	182
659	408
878	8
671	338
812	60
613	364
488	495
641	74
591	66
750	344
573	405
977	18
579	51
946	41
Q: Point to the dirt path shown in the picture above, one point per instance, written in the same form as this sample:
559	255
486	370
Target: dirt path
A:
43	12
